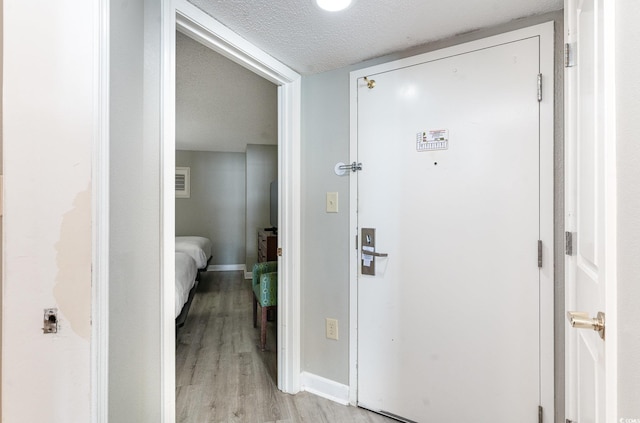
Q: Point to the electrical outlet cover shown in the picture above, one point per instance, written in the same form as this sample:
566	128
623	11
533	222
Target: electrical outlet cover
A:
332	328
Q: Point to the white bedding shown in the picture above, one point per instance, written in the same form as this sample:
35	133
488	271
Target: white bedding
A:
186	272
197	247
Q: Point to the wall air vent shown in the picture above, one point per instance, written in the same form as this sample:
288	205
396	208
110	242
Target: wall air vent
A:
183	182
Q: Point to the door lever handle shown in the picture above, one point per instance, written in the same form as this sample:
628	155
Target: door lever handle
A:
373	253
581	320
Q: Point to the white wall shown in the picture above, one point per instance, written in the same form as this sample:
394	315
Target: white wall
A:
325	239
48	129
135	315
628	133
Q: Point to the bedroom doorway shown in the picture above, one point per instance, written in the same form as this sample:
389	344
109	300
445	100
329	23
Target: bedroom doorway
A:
226	169
197	25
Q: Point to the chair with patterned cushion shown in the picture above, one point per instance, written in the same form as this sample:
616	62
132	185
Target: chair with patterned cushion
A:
265	293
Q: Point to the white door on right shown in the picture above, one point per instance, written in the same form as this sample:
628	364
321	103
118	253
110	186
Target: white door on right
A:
589	206
454	299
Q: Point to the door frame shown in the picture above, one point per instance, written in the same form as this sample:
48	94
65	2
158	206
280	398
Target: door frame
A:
193	22
546	33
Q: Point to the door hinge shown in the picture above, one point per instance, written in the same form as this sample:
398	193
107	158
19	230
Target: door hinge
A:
539	87
539	414
569	55
356	241
539	253
568	243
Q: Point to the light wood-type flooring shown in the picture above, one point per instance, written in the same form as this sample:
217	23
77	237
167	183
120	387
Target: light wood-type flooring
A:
221	374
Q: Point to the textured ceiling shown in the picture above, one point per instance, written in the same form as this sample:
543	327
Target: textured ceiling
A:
220	106
311	40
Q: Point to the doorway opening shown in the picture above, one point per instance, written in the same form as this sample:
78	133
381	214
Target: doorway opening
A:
227	164
197	25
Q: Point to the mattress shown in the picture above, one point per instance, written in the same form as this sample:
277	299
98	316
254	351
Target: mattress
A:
197	247
186	272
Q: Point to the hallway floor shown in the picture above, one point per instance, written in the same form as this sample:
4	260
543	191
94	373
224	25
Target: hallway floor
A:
221	374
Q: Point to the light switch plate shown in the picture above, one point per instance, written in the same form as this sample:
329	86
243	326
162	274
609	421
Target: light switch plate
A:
332	202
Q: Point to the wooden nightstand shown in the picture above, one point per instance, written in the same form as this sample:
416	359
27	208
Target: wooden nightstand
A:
267	246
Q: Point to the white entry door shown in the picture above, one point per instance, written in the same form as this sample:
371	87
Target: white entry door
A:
456	181
588	205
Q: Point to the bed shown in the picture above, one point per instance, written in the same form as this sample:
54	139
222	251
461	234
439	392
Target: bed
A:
198	247
193	254
186	272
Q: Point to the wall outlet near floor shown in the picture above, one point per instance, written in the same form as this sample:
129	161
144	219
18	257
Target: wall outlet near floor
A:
332	328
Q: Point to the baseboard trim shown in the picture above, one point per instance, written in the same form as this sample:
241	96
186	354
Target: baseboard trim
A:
325	388
226	267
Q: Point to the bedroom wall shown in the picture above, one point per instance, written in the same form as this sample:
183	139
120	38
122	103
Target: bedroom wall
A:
325	237
217	206
262	168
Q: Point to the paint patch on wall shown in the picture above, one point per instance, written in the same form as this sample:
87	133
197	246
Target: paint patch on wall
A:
72	290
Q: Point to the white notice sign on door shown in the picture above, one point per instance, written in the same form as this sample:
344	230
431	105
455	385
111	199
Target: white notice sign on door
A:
367	258
437	139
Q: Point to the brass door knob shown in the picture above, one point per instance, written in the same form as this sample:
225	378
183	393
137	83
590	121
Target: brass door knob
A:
581	320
